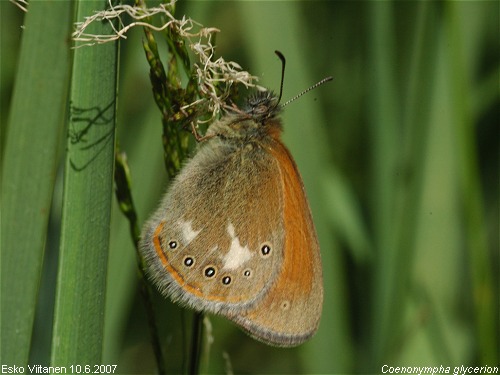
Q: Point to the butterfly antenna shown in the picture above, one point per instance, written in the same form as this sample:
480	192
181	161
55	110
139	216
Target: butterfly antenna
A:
324	80
283	63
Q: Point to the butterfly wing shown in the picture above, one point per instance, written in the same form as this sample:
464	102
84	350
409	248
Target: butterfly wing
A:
216	242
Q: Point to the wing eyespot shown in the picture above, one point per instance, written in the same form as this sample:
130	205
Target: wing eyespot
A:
285	305
265	250
209	272
188	261
226	280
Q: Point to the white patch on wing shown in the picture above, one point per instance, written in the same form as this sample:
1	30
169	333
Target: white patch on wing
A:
187	231
237	254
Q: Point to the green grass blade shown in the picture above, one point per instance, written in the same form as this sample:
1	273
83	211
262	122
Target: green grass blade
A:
485	296
383	109
29	168
80	298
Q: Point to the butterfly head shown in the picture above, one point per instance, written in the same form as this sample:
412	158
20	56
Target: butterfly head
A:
257	121
263	106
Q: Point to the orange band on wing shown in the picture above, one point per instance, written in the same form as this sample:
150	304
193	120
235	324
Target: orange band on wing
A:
300	241
166	263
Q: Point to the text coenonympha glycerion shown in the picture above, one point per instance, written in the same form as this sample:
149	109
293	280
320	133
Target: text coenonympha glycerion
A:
234	234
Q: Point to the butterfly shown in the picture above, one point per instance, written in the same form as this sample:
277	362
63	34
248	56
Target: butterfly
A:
234	234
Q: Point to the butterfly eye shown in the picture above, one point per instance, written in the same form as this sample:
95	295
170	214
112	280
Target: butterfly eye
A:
188	261
265	250
172	245
226	280
210	272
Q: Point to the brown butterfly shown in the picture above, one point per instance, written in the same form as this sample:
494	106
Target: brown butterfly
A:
234	235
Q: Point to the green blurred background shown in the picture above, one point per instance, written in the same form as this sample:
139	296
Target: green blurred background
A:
399	155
